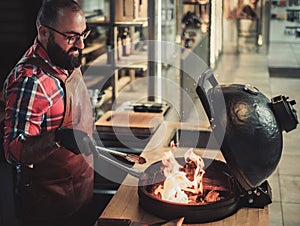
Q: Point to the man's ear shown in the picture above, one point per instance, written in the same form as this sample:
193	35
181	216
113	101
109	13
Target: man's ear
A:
43	35
43	32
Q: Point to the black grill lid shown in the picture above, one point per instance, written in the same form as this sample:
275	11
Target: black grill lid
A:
247	126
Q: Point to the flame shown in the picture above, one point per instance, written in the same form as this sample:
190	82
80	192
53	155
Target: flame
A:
181	180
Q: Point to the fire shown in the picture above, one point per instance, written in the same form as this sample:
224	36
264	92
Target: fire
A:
183	184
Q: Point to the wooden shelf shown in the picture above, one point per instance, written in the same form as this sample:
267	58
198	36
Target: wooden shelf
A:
98	23
92	48
142	23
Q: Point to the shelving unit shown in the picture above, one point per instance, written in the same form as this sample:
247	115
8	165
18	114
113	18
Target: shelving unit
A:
285	21
162	25
108	65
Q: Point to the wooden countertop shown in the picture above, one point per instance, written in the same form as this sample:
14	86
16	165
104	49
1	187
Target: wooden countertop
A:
125	203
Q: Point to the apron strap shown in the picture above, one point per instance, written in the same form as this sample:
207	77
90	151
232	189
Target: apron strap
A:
38	62
43	65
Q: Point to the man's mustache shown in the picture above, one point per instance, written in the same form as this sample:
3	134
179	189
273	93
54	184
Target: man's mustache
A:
75	49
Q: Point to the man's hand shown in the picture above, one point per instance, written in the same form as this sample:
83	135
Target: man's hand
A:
74	140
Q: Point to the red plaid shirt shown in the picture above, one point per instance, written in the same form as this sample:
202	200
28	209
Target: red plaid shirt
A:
34	102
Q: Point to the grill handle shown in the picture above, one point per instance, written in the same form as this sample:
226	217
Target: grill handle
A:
257	197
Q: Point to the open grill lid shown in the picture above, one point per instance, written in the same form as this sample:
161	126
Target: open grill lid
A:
247	126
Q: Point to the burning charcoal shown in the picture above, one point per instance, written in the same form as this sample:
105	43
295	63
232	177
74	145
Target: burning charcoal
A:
193	199
190	168
199	199
212	196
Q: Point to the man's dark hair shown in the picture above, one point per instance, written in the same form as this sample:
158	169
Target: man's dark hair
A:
50	10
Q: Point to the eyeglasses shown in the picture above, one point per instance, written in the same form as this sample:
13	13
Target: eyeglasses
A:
72	38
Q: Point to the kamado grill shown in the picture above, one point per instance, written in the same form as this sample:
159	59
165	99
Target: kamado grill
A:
248	127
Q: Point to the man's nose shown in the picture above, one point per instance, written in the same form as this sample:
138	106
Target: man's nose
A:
80	43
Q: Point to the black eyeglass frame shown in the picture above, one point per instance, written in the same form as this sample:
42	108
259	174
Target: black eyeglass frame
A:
72	38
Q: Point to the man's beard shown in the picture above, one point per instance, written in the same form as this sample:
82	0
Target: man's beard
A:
61	58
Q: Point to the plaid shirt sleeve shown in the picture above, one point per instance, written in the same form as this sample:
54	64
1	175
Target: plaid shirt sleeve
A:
34	103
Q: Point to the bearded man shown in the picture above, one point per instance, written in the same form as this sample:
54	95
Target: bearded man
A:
48	121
